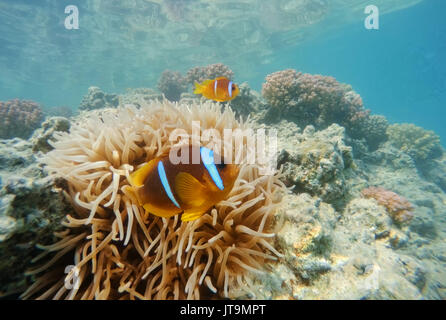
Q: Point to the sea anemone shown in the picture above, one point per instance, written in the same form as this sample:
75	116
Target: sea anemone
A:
119	251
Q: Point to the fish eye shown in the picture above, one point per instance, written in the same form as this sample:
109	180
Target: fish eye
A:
221	166
233	87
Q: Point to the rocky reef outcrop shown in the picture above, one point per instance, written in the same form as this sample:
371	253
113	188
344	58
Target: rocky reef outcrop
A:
97	99
316	162
358	248
31	209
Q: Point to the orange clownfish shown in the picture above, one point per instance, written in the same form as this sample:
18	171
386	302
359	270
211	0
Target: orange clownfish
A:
221	89
166	189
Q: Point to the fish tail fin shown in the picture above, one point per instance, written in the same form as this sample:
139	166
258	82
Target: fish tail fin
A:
198	88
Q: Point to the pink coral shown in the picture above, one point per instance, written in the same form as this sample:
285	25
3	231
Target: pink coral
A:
398	207
19	118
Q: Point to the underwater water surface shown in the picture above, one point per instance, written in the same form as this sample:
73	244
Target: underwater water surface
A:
360	116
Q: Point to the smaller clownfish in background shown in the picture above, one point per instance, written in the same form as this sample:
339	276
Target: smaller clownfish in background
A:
166	189
221	89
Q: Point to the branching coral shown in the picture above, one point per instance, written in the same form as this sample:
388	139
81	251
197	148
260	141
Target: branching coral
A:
398	207
419	143
212	71
172	84
121	252
320	101
19	118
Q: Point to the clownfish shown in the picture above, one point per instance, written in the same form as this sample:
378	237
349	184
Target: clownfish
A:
221	89
166	189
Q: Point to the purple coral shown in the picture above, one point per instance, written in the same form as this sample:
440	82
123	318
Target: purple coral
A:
398	207
19	118
317	100
199	74
172	85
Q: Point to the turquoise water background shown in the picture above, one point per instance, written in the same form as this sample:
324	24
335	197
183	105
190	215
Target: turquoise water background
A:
399	70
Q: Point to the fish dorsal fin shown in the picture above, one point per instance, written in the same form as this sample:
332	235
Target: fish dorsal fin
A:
189	189
138	177
221	78
206	82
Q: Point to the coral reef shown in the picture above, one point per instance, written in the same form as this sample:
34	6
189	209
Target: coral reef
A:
97	99
320	101
140	96
59	111
357	250
121	252
41	137
315	162
19	118
31	209
212	71
332	237
417	142
172	84
399	208
373	129
247	102
328	255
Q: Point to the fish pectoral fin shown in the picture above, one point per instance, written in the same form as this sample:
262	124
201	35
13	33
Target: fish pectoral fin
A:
159	212
190	191
192	215
138	177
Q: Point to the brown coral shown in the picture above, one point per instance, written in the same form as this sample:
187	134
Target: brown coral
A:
398	207
19	118
320	101
212	71
172	85
121	252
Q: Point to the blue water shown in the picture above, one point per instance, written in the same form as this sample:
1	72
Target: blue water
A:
399	70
